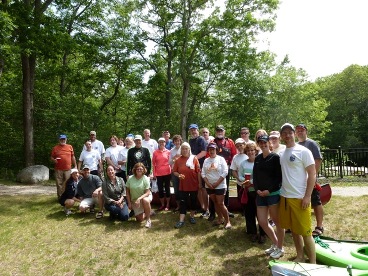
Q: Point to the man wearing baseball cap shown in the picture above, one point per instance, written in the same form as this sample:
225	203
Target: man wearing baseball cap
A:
62	155
301	133
96	144
298	179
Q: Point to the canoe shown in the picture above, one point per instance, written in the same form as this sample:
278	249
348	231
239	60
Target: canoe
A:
298	269
342	253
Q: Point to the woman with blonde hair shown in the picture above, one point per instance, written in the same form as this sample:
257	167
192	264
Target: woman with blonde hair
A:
139	195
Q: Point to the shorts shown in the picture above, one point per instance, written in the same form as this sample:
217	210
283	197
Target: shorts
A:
88	202
315	198
264	201
216	191
140	209
292	216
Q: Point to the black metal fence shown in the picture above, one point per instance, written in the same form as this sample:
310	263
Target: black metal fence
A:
344	162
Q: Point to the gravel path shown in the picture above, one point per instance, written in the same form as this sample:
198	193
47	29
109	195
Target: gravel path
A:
51	190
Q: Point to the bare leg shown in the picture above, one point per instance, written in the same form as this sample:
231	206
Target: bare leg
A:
310	248
298	242
262	216
318	212
280	233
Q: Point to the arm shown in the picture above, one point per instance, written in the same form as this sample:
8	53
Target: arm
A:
201	154
74	162
311	180
79	165
317	165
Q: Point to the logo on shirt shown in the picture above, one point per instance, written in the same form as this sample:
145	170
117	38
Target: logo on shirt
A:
138	155
292	158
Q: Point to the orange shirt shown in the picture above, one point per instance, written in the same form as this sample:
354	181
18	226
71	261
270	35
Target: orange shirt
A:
65	153
190	182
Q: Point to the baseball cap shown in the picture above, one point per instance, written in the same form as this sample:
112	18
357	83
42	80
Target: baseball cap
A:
193	126
287	125
220	128
62	136
239	141
138	137
263	138
73	171
85	167
161	139
302	126
274	133
92	132
211	145
130	135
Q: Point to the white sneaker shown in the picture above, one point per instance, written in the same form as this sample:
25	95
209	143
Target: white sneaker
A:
67	211
148	224
271	249
278	253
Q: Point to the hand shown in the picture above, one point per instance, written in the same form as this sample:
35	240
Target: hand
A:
137	203
181	176
306	202
246	184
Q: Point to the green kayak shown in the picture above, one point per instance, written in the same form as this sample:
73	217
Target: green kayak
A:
342	253
279	268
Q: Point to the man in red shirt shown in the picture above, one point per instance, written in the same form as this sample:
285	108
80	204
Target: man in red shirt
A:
62	155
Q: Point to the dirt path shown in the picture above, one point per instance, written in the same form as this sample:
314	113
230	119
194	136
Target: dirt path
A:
51	190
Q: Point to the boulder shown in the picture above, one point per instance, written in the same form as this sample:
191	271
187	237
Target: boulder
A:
33	174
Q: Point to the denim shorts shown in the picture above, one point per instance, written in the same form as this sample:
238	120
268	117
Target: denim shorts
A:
264	201
216	191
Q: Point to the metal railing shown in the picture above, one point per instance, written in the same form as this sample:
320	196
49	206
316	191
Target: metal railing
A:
344	162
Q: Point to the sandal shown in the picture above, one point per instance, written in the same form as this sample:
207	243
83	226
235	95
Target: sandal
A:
99	215
318	231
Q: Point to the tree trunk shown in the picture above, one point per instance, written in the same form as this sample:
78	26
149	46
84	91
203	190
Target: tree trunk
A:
184	111
28	71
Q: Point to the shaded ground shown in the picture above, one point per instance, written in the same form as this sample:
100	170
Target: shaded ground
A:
51	190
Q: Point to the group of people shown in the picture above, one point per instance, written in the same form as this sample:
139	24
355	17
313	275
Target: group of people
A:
274	180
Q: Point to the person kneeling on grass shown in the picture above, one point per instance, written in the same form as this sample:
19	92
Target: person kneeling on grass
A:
114	195
139	195
90	192
69	196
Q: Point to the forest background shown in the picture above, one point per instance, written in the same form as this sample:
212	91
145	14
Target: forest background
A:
119	67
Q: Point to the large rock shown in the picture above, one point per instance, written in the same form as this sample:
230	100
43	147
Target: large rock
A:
33	174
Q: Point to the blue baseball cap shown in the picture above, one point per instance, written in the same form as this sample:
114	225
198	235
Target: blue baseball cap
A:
130	135
193	126
62	136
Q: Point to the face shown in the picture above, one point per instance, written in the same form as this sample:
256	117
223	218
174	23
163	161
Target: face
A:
251	152
240	147
75	175
62	141
263	145
128	143
139	171
205	133
161	144
185	151
86	173
177	143
88	146
259	134
92	137
166	135
113	142
301	133
220	134
110	171
147	134
194	132
244	134
288	136
212	152
138	143
274	142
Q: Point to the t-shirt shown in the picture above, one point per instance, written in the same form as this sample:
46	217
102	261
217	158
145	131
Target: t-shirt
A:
246	167
113	154
313	147
235	164
293	161
173	152
160	162
213	169
137	187
87	186
190	182
90	158
169	144
279	149
267	172
136	155
151	145
65	153
97	145
123	155
198	145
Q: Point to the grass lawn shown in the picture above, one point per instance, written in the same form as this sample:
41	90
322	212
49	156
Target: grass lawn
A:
37	238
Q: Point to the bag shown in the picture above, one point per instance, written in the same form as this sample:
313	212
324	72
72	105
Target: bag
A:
244	196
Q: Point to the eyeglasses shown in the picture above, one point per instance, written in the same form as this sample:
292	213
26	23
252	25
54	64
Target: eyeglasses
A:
205	132
244	132
139	169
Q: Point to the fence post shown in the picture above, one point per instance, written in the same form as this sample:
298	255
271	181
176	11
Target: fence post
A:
340	162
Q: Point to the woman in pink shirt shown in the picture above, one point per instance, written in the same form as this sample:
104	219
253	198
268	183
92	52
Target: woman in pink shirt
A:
162	172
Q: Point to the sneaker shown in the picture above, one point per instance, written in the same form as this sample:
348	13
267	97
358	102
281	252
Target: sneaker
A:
192	220
205	214
271	249
148	224
179	224
277	253
68	211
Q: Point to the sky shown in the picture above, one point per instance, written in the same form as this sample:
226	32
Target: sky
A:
323	37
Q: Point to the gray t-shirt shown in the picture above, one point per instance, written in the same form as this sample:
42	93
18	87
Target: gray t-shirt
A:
313	147
87	186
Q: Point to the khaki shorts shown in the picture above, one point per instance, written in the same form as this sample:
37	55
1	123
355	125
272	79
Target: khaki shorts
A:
292	216
88	202
140	210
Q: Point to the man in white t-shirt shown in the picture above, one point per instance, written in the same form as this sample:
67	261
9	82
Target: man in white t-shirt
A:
96	144
91	158
298	179
147	142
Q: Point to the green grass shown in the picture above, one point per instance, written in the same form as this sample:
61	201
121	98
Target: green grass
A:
37	238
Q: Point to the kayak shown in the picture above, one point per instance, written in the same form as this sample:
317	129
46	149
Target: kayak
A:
300	269
342	253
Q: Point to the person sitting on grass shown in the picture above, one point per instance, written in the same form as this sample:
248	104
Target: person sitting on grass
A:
139	195
69	197
187	169
90	192
114	195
